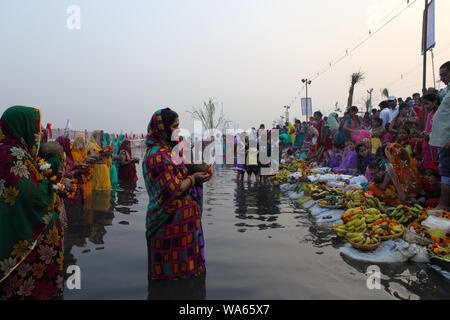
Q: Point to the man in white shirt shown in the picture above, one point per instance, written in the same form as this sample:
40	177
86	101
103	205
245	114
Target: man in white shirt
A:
393	108
389	113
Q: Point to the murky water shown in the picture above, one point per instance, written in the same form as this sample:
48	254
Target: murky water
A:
258	246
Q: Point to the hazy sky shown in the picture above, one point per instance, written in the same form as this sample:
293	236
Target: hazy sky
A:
132	57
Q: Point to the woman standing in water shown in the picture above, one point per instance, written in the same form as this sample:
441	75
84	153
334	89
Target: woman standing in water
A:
173	223
127	164
101	176
31	251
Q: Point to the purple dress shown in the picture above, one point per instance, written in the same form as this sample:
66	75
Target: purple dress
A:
335	159
349	162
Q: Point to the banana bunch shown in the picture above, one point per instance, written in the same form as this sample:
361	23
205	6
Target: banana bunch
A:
356	225
363	238
352	222
405	215
371	215
282	176
357	198
340	229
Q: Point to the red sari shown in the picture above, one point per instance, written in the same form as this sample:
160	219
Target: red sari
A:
127	172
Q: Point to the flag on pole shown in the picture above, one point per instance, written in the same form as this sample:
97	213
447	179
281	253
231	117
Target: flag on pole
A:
67	128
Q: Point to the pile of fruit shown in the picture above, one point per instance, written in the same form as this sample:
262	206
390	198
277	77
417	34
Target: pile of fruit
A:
334	201
352	222
356	198
441	249
385	227
363	239
282	176
406	215
444	214
295	165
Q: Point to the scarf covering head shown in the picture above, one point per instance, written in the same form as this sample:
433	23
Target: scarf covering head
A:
19	126
119	143
162	176
332	123
65	143
123	146
79	154
27	203
106	140
403	171
94	145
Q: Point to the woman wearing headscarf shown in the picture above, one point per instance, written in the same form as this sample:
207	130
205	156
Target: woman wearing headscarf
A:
31	247
80	159
101	175
173	222
113	169
403	172
127	164
327	129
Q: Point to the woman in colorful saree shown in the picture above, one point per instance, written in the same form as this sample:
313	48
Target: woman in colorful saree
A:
127	164
403	171
401	180
79	155
173	222
113	177
101	175
327	129
31	251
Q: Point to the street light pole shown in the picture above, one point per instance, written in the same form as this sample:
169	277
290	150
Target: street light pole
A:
306	82
287	112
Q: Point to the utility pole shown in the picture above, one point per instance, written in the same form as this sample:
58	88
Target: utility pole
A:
424	47
287	112
306	82
369	106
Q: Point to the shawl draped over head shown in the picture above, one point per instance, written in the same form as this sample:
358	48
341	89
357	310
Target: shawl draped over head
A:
332	123
25	196
79	154
65	143
162	176
94	145
403	171
119	143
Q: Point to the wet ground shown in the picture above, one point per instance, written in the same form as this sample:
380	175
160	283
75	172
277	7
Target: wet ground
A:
258	246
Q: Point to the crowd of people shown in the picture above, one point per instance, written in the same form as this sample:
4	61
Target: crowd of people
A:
402	147
403	152
38	178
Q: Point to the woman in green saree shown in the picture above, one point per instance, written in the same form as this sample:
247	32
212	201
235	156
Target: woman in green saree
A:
31	232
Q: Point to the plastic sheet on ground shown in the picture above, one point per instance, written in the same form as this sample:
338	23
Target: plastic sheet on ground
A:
294	195
295	175
437	222
390	251
358	180
327	177
317	210
287	187
446	274
328	218
309	204
321	170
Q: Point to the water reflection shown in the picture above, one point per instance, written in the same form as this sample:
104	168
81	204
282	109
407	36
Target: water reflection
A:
87	222
183	289
252	202
406	281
